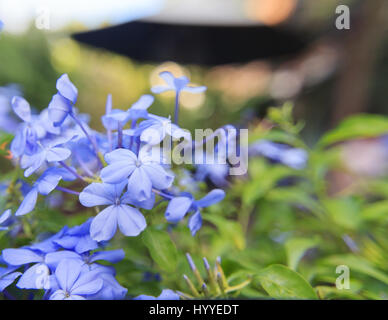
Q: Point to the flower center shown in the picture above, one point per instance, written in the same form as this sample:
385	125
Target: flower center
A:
117	201
138	163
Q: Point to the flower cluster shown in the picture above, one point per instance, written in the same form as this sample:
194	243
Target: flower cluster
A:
120	173
64	266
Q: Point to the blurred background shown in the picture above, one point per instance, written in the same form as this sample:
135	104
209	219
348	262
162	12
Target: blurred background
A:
252	54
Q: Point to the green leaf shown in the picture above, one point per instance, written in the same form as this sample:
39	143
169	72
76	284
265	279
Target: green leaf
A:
358	126
345	212
296	248
161	248
264	179
232	230
282	283
376	211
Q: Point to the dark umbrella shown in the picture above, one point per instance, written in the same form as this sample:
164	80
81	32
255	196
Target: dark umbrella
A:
192	44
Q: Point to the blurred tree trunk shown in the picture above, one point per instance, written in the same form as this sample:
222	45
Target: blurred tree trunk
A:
358	60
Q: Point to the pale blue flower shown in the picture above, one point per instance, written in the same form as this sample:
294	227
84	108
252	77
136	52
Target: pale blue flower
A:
179	206
177	84
74	283
119	213
141	172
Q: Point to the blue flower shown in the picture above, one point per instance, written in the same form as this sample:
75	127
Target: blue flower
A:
74	282
177	84
155	129
27	256
179	206
26	138
46	183
118	213
166	294
217	173
293	157
1	25
78	239
111	289
51	151
114	119
62	102
142	172
4	219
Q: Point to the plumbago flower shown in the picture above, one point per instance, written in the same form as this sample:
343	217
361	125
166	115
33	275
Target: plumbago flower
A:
142	172
118	169
292	157
119	213
65	255
178	85
47	182
181	205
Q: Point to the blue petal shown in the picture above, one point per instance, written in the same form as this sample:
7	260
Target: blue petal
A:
177	209
168	294
194	89
33	163
28	203
8	279
211	198
119	155
67	89
52	259
139	108
140	184
19	142
58	109
57	154
180	83
148	204
67	273
112	256
111	289
58	295
87	283
22	108
97	194
168	77
131	221
160	89
35	277
48	182
20	256
5	216
104	225
67	242
85	243
159	177
117	172
195	223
